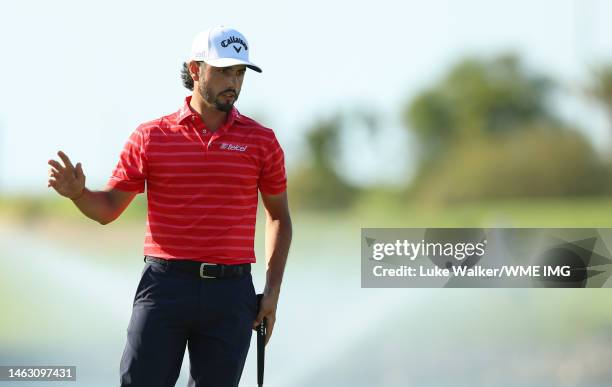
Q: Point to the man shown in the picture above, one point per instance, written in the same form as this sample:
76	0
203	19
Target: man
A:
203	167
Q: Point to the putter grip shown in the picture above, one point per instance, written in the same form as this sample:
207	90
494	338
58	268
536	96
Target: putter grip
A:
261	345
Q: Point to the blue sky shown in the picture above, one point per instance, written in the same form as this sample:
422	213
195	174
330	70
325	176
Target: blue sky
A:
80	76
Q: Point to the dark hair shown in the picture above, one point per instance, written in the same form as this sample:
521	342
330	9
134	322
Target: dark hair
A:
186	76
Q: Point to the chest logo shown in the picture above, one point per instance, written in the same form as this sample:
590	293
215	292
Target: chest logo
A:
232	147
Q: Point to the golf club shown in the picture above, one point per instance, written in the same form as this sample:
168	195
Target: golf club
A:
261	345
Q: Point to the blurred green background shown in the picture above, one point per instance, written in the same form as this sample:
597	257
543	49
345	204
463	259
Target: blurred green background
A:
484	143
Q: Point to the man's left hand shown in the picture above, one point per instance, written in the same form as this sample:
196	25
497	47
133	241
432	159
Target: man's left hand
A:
267	309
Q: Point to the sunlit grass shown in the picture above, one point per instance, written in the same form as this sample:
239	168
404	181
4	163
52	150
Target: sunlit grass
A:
549	212
376	212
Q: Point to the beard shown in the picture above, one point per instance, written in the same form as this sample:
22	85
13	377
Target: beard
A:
208	95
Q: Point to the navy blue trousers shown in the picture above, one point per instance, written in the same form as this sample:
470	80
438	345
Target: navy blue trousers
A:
172	310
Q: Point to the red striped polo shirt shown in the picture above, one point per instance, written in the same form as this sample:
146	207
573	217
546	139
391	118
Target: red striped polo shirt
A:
201	185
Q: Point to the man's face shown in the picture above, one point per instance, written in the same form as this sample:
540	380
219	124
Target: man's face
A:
220	86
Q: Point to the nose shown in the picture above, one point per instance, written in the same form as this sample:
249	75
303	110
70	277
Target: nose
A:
234	81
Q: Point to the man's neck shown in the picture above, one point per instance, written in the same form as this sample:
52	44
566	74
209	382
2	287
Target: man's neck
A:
211	116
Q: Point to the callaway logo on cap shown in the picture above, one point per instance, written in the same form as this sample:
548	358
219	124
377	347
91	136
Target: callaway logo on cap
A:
222	47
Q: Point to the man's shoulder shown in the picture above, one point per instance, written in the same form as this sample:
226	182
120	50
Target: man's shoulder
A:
162	122
246	123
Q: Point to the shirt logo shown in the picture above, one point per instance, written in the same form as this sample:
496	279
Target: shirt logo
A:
232	147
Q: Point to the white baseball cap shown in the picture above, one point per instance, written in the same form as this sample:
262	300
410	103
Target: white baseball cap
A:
222	47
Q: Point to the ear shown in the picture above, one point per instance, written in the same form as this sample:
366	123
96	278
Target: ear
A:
194	70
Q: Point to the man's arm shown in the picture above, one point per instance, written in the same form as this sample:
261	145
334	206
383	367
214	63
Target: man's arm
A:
104	206
278	240
69	181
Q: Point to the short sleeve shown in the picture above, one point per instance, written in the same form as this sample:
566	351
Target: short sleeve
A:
273	178
131	170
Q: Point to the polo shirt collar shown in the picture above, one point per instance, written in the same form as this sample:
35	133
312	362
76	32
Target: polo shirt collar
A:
186	111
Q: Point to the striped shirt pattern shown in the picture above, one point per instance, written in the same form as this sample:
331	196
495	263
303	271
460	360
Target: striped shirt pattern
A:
201	186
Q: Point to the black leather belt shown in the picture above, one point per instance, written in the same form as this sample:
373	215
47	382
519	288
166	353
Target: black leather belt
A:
203	269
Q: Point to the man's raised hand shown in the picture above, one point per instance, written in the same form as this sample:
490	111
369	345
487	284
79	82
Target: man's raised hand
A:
67	180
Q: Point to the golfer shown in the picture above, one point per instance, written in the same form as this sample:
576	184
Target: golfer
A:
203	167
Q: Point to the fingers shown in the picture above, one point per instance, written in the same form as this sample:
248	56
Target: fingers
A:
60	175
67	170
79	171
270	321
52	183
267	310
56	165
53	176
66	160
58	172
258	319
53	172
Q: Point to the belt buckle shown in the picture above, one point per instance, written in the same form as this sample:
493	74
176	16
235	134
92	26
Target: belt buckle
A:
202	270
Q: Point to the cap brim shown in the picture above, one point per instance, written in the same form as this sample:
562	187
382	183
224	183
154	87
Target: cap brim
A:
226	62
